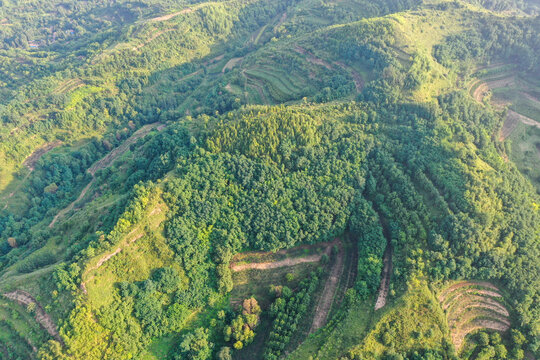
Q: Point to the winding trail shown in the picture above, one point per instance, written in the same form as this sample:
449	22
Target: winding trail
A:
24	298
312	58
30	163
31	160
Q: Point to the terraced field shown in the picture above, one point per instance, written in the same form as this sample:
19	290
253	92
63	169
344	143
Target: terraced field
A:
280	86
472	306
519	95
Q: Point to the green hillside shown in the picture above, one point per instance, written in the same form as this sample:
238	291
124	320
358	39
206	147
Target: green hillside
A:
256	179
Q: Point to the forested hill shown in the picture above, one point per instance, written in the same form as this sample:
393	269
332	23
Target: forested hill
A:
256	179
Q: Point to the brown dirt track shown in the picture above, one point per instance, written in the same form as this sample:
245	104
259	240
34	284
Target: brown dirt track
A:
327	298
23	298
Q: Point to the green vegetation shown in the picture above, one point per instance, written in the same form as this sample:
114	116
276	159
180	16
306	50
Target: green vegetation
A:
248	179
287	310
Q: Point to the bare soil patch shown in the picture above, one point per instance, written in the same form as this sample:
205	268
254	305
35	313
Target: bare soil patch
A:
231	64
327	298
480	92
281	263
385	279
312	58
24	298
31	160
170	16
448	290
281	21
459	337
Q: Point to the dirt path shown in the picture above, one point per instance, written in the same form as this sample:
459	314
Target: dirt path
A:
385	279
281	21
70	207
151	38
31	160
170	16
312	58
121	149
443	296
524	119
530	97
511	122
106	161
459	337
23	298
231	63
30	163
134	235
330	287
473	305
282	263
484	86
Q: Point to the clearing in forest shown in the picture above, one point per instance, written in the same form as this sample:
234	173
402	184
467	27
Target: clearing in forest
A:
289	261
472	306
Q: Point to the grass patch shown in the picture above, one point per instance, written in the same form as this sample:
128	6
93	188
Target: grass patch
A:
159	348
415	323
525	152
140	254
340	334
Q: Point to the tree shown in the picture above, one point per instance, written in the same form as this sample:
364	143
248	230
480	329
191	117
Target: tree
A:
224	353
195	346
